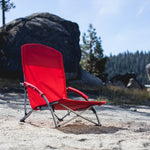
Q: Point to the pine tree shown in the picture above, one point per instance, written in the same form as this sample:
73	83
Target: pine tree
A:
93	59
6	5
129	62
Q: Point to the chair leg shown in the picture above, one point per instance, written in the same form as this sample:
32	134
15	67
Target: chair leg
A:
95	112
25	100
26	115
51	110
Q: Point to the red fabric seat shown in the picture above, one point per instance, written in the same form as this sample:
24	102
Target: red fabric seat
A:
43	67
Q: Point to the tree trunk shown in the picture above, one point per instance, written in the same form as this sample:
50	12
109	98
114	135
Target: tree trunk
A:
3	11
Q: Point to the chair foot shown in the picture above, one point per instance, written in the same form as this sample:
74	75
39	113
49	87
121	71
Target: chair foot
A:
59	119
99	125
22	120
26	116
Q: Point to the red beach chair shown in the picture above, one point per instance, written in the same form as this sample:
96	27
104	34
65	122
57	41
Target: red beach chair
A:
46	86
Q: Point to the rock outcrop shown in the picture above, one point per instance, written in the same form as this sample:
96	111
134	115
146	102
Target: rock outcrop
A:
43	28
126	80
86	81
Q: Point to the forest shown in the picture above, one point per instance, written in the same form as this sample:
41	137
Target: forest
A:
129	62
94	61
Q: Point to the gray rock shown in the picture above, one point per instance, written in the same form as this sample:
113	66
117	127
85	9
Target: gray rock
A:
133	84
43	28
87	81
127	80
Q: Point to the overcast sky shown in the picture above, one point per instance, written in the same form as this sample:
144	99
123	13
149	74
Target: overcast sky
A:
122	24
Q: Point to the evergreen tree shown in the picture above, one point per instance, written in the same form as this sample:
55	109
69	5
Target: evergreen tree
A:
129	62
92	59
6	5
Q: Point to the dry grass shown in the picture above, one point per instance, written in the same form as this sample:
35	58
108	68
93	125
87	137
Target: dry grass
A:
117	95
9	84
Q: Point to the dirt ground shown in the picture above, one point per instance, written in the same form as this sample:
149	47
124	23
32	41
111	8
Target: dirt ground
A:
123	128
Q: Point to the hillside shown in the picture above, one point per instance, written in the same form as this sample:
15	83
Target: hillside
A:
129	62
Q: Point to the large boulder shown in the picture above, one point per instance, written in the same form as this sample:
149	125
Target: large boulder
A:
43	28
47	29
126	80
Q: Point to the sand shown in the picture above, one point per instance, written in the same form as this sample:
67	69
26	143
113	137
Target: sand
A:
123	128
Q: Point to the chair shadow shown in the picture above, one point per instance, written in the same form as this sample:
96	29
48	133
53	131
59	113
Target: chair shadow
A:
89	129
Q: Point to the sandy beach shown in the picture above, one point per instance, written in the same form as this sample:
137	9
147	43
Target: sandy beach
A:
123	128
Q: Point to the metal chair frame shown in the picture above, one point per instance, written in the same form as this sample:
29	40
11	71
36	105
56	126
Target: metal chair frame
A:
54	116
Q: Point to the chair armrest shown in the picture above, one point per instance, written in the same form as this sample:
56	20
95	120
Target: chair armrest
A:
78	92
29	85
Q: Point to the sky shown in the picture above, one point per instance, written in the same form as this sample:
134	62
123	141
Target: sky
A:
122	24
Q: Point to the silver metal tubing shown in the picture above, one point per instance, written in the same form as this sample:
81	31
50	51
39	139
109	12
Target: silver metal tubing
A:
26	116
79	114
95	112
25	100
51	110
61	119
72	118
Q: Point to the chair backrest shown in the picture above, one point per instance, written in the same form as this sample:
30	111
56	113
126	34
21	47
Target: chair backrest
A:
43	67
